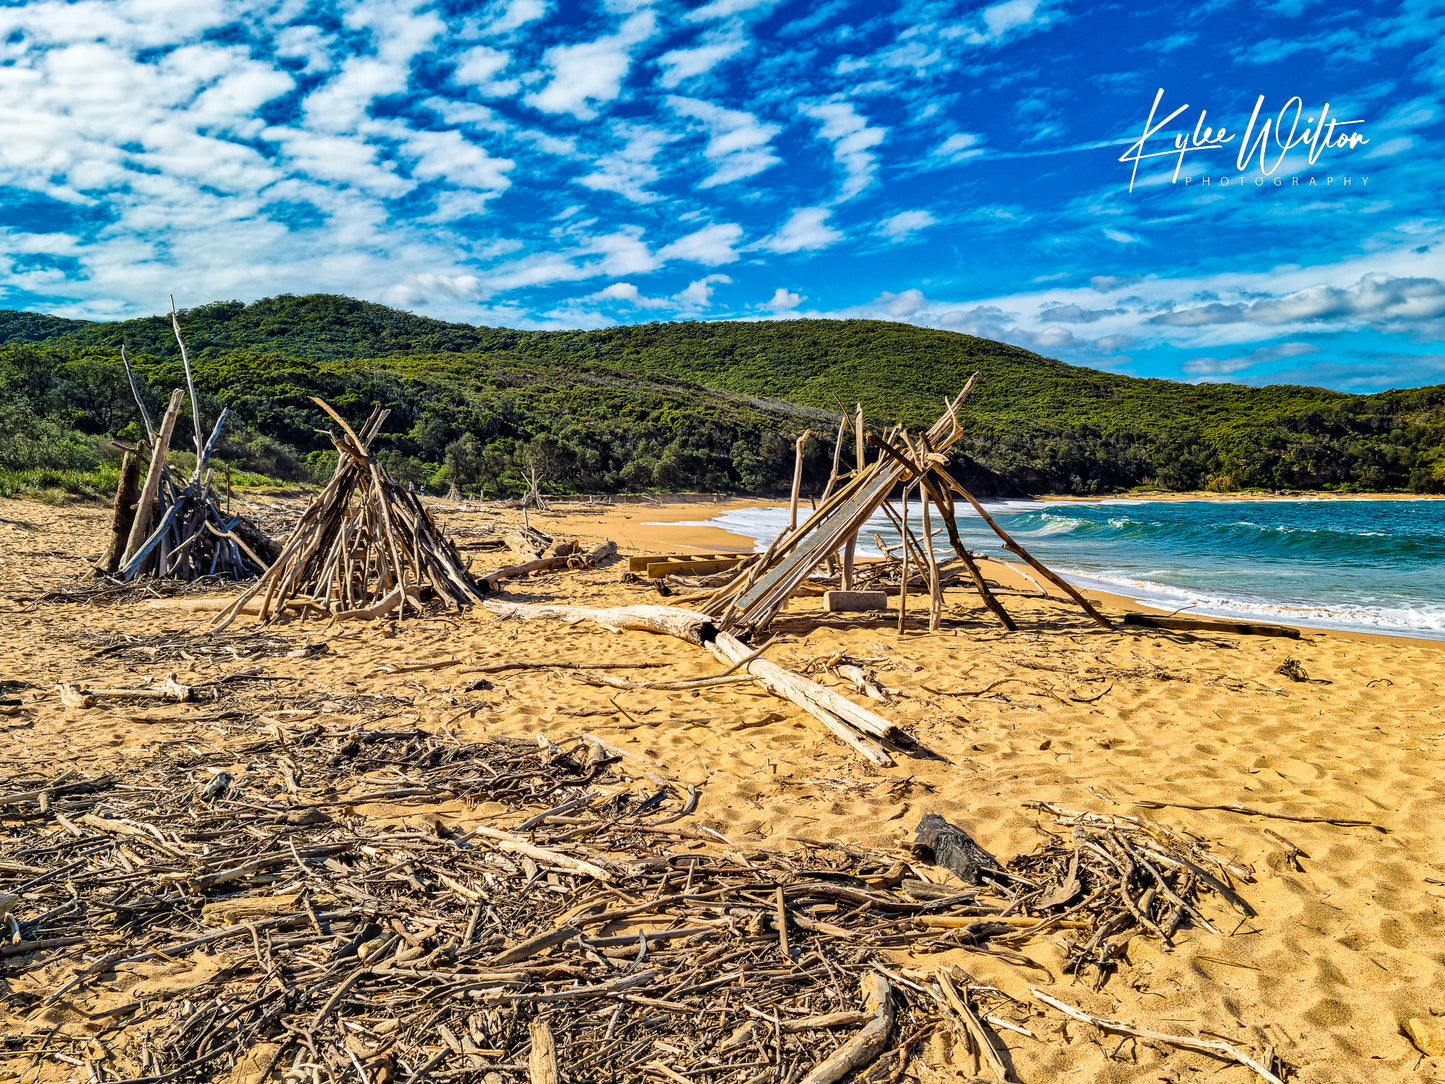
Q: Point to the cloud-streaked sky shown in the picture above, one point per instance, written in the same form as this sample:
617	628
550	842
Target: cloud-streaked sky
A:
580	163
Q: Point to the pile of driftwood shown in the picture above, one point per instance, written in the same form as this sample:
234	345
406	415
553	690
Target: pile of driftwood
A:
280	932
365	547
164	528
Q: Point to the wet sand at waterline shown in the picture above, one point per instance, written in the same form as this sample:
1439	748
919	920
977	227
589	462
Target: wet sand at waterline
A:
1344	950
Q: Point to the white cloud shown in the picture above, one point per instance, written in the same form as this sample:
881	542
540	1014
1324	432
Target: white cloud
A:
591	71
908	303
783	300
806	230
1011	19
711	245
626	291
479	67
698	294
738	143
451	157
629	170
1377	300
905	224
516	14
959	147
622	252
680	65
853	142
428	286
720	9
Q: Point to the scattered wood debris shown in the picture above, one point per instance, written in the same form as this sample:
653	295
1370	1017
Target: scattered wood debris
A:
286	932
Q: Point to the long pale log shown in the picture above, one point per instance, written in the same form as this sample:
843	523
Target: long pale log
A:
144	512
856	726
813	698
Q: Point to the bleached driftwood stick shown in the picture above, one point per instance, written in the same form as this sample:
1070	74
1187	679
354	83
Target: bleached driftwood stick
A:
144	510
797	479
1187	1042
854	725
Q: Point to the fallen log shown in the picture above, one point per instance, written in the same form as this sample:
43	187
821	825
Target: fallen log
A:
591	559
852	724
1208	624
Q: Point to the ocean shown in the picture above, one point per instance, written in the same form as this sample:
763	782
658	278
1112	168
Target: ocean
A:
1362	565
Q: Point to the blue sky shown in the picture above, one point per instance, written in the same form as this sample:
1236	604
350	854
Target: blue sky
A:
546	164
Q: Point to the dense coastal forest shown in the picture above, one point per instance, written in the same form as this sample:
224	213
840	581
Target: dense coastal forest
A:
671	407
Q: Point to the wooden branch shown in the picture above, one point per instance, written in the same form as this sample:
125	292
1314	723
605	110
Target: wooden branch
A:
145	415
1186	1042
542	1060
797	479
972	1025
1018	550
190	383
864	1047
144	511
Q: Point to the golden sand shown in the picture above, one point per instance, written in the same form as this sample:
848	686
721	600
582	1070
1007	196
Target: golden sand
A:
1344	951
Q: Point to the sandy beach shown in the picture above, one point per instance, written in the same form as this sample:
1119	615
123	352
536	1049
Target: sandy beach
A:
1346	946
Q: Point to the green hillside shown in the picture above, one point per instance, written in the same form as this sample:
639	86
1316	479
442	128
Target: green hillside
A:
682	406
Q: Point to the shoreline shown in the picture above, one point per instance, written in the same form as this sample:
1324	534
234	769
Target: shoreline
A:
679	526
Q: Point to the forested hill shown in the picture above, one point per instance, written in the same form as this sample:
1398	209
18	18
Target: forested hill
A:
690	405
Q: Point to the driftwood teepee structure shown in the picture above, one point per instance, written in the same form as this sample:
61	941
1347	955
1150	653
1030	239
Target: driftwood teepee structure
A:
365	547
169	529
748	604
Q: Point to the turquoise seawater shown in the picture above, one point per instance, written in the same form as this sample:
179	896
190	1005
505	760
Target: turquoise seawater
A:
1367	565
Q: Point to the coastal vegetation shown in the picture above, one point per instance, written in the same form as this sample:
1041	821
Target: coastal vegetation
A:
690	406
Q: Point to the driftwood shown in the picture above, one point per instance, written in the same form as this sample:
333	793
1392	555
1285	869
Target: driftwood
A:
141	521
1176	623
864	1048
173	529
750	603
590	559
861	729
363	946
1187	1042
127	495
953	848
